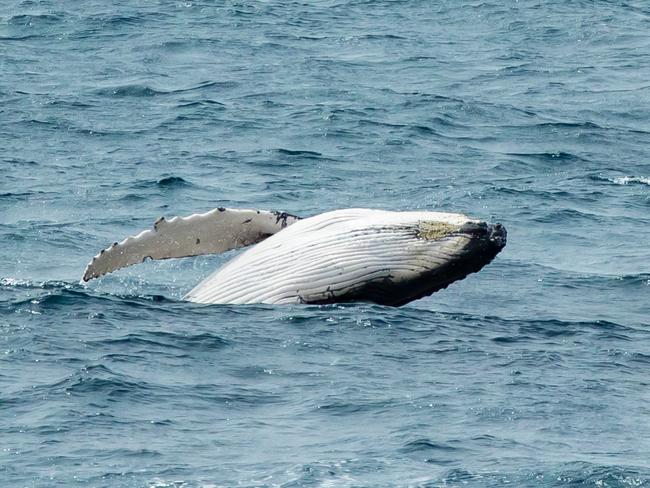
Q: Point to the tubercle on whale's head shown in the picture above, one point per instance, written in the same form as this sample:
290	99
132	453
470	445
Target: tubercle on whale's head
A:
494	236
432	230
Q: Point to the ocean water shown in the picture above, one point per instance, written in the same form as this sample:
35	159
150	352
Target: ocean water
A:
533	372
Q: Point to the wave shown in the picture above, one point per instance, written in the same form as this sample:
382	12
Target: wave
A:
574	475
19	161
65	293
139	90
22	196
201	103
621	180
568	215
184	342
626	180
301	153
35	19
173	182
547	157
167	182
427	445
20	38
568	125
134	90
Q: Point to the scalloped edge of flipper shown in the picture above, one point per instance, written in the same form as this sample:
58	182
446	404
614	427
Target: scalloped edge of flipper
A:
213	232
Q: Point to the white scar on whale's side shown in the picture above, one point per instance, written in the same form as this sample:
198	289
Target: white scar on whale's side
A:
379	256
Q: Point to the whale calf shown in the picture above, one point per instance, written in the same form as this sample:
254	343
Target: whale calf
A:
366	255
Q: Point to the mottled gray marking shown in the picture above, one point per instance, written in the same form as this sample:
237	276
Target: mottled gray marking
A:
282	217
157	222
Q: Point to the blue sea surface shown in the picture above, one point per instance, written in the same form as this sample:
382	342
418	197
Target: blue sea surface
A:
534	372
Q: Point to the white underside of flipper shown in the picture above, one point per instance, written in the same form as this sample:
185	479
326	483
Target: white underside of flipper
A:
329	256
213	232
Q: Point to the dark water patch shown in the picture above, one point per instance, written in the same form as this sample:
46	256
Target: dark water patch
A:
423	129
120	453
19	162
52	297
294	37
549	157
585	474
447	121
528	329
635	280
140	90
251	372
165	183
573	475
134	90
55	299
427	445
20	38
173	182
90	380
237	397
122	358
557	328
118	21
265	97
133	197
299	153
567	215
549	329
381	37
212	104
13	236
569	125
70	103
221	85
377	123
513	339
180	341
348	408
346	113
545	196
110	387
641	358
51	122
424	96
36	20
181	45
20	196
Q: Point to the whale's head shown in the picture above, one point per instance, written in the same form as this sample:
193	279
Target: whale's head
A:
426	252
450	247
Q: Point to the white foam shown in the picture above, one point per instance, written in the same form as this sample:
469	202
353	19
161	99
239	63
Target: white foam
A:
625	180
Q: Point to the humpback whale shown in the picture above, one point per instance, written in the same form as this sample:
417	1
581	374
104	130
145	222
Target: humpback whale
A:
379	256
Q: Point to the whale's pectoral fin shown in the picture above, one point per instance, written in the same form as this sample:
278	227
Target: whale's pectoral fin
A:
213	232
